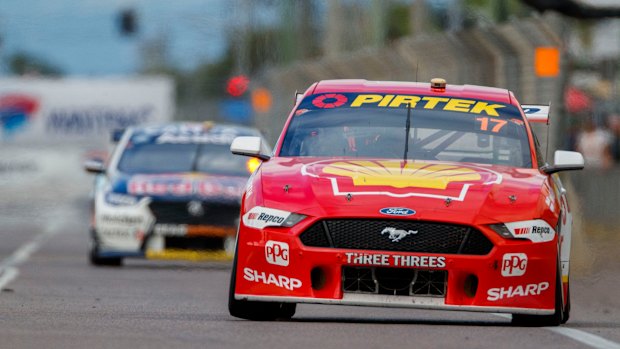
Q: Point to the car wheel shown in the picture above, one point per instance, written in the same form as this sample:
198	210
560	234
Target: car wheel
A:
559	317
99	261
566	314
257	311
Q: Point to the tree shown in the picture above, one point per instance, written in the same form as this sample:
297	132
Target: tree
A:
27	64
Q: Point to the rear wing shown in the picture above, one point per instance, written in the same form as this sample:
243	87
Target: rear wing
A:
298	97
536	113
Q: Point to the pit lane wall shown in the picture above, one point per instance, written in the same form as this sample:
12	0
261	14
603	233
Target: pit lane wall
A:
38	110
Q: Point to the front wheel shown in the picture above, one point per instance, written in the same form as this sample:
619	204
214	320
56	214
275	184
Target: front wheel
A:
560	316
96	260
257	311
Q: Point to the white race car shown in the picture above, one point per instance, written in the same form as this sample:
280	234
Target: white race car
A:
169	192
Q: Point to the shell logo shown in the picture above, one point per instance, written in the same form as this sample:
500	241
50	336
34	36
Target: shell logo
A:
398	175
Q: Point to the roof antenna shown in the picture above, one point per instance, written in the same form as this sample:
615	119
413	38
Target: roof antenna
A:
417	65
407	128
547	145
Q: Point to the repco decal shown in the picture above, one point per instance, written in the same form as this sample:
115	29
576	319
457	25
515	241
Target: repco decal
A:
259	217
270	218
536	230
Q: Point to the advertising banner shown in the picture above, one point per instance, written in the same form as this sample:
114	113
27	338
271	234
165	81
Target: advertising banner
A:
74	109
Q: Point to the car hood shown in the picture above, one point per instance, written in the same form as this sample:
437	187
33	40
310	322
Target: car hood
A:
181	186
435	190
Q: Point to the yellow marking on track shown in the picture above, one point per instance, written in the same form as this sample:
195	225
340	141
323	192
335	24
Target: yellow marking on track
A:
189	255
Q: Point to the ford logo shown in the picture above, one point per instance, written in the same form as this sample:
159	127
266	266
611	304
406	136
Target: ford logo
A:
397	211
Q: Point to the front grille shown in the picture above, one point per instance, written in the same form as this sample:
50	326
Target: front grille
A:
167	212
394	281
397	235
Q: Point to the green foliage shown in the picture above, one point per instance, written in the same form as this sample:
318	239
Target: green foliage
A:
24	63
210	79
496	11
262	49
398	21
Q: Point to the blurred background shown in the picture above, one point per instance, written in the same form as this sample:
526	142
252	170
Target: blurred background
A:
73	70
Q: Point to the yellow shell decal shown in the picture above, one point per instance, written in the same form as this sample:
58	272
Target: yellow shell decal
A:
393	174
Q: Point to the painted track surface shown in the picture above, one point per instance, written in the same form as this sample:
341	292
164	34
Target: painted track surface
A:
51	297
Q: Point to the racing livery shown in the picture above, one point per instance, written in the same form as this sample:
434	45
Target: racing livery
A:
399	194
170	191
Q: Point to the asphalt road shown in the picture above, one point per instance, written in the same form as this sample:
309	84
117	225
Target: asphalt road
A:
52	298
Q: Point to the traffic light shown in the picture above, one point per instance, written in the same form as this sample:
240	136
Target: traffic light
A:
237	85
128	22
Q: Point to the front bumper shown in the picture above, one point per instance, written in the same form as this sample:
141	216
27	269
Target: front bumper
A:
274	265
163	230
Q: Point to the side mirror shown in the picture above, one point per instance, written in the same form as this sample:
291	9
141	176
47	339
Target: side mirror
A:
564	161
116	135
249	146
94	166
298	97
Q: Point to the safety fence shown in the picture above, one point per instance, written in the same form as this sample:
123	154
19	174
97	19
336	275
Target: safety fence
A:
501	56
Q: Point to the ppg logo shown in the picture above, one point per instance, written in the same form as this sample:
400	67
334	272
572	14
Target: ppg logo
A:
514	264
277	253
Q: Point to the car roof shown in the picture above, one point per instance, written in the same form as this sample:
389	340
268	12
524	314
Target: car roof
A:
205	128
415	88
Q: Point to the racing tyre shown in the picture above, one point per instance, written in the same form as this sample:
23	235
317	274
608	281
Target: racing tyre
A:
567	307
256	311
559	317
96	260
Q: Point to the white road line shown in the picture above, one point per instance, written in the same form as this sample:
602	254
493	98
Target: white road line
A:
8	274
586	338
582	337
8	266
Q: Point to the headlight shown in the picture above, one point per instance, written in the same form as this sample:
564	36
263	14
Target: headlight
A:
536	230
259	217
293	219
116	199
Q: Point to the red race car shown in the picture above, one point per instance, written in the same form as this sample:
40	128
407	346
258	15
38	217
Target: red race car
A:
399	194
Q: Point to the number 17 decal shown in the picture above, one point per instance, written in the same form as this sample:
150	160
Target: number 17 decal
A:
484	124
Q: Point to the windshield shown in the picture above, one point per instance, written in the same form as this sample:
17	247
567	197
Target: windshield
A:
151	157
441	128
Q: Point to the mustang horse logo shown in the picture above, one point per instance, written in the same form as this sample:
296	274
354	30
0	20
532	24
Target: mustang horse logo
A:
397	234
